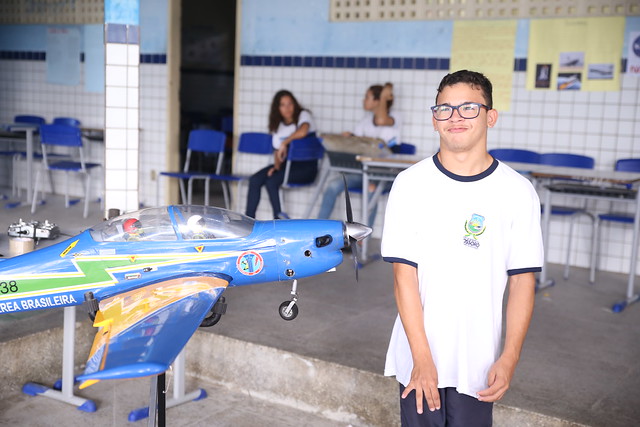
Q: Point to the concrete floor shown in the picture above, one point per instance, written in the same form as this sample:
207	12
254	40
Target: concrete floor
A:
580	363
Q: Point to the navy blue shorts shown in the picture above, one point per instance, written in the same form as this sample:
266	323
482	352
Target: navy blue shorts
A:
456	410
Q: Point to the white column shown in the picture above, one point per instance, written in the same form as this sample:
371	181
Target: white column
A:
122	103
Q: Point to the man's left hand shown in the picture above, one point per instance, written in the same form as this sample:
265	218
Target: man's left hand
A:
499	379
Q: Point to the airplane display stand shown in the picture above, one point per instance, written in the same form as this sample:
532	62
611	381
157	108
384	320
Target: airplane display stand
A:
63	389
157	400
179	395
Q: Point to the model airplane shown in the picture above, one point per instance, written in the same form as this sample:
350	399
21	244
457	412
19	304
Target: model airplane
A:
151	277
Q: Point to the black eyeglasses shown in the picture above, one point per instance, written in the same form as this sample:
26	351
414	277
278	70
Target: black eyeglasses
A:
468	110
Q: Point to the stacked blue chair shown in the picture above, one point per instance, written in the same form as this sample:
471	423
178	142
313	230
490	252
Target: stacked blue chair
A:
622	165
305	149
575	161
253	143
69	121
404	148
24	118
64	136
515	155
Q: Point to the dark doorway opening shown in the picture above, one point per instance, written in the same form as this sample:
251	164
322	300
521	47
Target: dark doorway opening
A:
207	77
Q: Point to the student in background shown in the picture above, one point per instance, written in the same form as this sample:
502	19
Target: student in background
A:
378	122
288	120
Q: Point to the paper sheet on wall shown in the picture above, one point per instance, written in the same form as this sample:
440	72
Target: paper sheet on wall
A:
63	56
575	54
633	56
94	58
487	47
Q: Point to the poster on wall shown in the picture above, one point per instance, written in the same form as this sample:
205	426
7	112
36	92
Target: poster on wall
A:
63	56
487	47
633	54
582	54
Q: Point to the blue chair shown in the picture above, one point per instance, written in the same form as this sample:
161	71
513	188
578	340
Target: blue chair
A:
515	155
70	137
69	121
622	165
226	125
567	159
29	119
307	149
210	143
250	143
253	144
404	148
576	161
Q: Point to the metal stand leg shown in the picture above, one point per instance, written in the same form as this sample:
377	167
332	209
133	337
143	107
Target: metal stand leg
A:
179	396
66	395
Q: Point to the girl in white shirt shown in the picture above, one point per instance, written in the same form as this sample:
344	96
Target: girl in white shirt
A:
287	121
378	122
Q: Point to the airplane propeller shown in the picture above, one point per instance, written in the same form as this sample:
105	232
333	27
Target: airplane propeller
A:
355	230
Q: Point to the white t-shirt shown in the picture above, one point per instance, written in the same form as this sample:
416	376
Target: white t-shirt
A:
284	131
465	235
367	127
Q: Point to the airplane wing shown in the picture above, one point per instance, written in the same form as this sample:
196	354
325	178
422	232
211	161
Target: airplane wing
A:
142	331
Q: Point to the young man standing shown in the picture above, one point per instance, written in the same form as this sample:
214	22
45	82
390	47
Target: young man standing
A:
458	227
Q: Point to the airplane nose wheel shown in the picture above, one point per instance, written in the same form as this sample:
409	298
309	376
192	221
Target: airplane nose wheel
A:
288	310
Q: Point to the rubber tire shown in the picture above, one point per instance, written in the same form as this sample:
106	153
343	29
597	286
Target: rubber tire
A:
292	315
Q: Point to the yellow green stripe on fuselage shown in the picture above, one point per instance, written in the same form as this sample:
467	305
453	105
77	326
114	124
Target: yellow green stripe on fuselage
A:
98	271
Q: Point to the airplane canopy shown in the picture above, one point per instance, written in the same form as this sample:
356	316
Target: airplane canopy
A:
170	223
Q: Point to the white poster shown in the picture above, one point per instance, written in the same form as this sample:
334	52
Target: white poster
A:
633	56
63	56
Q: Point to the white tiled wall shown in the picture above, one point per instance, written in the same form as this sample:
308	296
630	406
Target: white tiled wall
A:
23	90
153	129
604	125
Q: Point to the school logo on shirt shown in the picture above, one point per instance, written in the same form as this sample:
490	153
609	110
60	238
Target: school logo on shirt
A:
474	227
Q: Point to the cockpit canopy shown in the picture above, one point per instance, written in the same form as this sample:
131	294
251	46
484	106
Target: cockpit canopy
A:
171	223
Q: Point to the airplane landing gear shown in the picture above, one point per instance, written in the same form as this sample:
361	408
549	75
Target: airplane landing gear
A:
214	316
288	310
91	305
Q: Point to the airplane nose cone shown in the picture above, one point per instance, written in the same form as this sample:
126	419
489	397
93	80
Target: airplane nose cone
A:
357	231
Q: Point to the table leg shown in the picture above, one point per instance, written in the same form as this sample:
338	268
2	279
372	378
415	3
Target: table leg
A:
631	295
365	210
324	175
29	134
546	220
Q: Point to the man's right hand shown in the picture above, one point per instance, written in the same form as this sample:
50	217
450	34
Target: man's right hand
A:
424	380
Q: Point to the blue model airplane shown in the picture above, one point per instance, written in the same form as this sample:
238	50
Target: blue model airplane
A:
151	277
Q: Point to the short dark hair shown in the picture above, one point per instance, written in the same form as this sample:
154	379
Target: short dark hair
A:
473	78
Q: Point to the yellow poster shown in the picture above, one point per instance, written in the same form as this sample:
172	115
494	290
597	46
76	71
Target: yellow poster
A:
575	54
487	47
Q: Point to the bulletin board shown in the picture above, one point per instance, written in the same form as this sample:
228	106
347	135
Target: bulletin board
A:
487	47
575	54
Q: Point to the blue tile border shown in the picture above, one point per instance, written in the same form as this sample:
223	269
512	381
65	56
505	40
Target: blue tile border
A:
147	58
398	63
